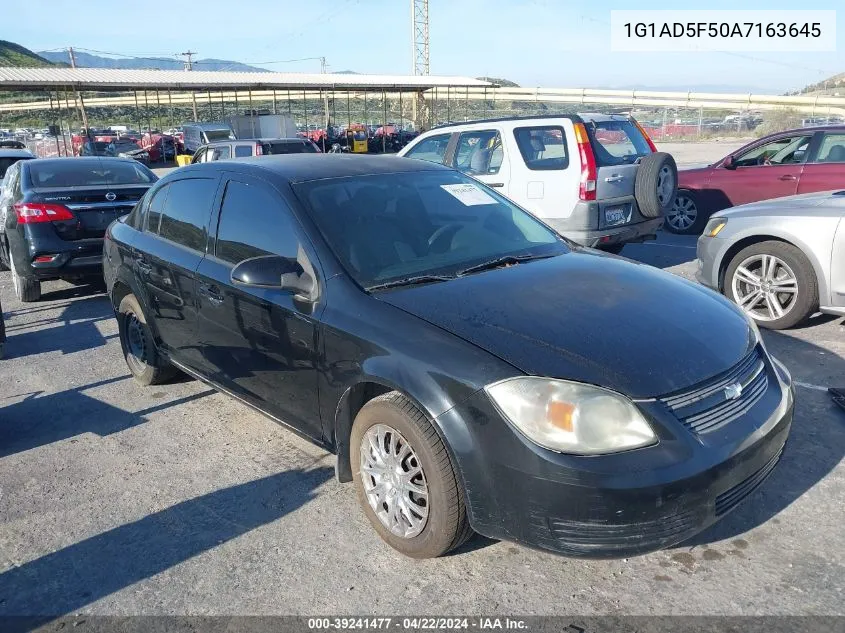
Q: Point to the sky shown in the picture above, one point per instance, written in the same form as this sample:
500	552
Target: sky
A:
549	43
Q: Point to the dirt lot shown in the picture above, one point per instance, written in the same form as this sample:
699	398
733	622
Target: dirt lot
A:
119	499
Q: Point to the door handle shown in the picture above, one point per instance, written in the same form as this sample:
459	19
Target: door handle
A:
614	178
787	177
212	293
496	184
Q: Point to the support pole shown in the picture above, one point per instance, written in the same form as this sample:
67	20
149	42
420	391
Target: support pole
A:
194	99
170	100
138	111
210	107
158	112
274	102
384	123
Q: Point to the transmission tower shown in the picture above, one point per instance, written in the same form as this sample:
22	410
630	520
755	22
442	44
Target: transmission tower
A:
419	56
419	36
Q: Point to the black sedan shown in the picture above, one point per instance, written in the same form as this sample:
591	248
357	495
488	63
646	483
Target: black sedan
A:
471	369
54	213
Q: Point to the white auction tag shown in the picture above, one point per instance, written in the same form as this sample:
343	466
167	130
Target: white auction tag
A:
469	194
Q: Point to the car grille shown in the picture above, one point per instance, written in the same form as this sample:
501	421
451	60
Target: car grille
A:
707	407
728	500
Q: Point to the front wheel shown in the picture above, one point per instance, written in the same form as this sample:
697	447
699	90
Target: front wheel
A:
774	283
686	217
405	479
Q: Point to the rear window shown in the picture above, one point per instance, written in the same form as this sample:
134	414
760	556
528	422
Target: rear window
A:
74	172
5	163
295	147
616	142
217	135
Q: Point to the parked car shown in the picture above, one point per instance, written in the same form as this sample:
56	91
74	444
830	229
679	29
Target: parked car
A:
11	144
244	148
129	149
54	214
596	179
159	147
194	135
9	157
783	164
471	369
779	260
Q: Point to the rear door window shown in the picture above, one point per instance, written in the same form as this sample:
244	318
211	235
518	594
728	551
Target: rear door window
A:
832	149
432	149
542	147
186	210
254	222
479	152
288	147
616	142
153	214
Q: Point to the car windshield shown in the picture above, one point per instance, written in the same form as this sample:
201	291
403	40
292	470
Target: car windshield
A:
74	172
217	135
389	227
288	147
616	142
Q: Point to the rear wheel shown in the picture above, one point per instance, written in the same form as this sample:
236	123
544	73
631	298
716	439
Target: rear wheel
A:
139	349
405	480
686	217
774	283
27	289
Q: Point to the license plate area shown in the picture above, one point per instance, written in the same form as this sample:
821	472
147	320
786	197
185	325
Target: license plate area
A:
617	215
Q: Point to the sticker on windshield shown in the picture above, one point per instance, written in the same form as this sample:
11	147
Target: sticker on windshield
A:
469	195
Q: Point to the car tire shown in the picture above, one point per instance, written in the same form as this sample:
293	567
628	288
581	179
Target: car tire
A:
789	264
27	289
656	184
686	217
445	525
139	350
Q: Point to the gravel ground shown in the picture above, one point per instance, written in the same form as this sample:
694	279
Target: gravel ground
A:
119	499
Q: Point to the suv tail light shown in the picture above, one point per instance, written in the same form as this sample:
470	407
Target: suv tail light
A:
259	151
645	135
587	187
35	212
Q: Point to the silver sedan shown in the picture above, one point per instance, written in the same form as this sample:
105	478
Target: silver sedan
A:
780	260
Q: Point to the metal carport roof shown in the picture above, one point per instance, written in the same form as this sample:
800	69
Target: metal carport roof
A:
117	79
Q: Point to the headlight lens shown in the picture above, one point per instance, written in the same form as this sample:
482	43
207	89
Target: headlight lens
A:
571	417
714	226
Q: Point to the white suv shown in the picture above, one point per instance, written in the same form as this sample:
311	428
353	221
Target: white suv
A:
596	179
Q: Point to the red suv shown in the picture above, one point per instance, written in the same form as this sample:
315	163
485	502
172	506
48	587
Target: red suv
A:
782	164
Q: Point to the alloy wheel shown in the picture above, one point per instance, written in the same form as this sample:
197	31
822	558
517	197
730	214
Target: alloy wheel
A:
765	287
683	214
394	481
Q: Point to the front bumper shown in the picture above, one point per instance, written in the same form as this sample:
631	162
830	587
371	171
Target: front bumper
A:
709	252
618	505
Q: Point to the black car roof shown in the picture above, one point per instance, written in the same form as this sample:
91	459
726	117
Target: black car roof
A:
304	167
83	159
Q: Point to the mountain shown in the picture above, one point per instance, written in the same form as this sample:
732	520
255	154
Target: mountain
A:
835	84
87	60
504	83
12	54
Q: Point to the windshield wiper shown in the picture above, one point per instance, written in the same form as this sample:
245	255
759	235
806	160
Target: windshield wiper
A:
502	261
409	281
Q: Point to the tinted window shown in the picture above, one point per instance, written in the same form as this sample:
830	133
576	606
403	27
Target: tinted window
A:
154	210
253	222
832	149
288	147
616	142
186	211
432	149
5	163
479	152
242	151
783	151
221	153
392	226
542	147
73	172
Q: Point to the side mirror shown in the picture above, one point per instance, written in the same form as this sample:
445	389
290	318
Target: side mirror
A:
729	163
275	271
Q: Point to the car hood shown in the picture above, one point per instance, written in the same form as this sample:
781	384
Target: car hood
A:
592	318
787	205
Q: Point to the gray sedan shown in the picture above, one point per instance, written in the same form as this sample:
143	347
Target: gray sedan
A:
780	260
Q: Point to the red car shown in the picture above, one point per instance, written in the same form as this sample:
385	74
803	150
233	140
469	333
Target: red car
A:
783	164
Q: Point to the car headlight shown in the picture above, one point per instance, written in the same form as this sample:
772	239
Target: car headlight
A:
571	417
714	226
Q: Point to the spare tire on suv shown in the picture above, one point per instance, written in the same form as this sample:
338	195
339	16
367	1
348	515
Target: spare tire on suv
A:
656	184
